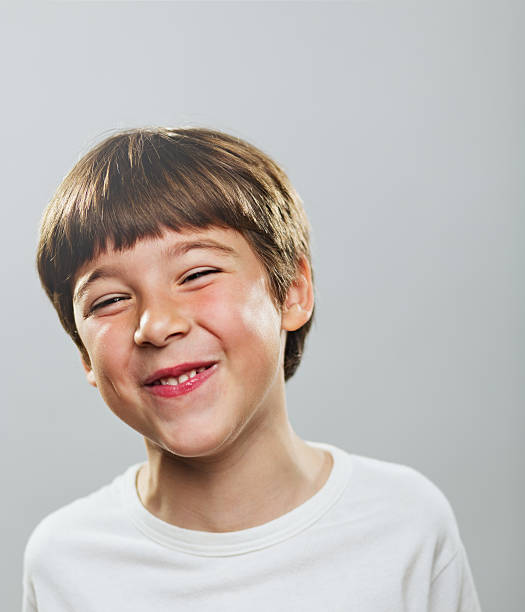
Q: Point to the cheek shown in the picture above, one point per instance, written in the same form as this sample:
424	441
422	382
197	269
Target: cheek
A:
106	349
245	318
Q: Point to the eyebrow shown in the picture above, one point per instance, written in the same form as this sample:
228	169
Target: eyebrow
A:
169	252
183	247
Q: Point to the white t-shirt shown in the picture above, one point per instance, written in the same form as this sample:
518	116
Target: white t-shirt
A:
377	537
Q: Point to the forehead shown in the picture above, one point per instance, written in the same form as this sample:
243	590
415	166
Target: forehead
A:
175	242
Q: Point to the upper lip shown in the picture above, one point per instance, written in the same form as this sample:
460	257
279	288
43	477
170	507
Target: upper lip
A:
177	370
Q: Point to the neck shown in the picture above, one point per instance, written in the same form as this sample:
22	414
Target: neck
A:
252	482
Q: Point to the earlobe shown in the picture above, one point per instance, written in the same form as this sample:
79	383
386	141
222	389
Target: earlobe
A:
299	302
89	373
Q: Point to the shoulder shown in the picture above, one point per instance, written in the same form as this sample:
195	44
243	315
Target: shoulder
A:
402	486
398	501
405	489
69	525
408	502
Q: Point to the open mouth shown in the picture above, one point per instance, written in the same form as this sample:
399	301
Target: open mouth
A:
180	380
177	380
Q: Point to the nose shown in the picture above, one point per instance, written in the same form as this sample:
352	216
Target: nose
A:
160	321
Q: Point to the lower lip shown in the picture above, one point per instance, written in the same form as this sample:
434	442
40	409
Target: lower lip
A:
182	388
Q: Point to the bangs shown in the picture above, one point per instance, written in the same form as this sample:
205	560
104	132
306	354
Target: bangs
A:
133	188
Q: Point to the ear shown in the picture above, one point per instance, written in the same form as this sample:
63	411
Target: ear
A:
89	372
299	304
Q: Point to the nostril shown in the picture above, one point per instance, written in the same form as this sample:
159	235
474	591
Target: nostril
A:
157	327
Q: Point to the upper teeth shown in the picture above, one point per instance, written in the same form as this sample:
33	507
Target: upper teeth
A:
175	380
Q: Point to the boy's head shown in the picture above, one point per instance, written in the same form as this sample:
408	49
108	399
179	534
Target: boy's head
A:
137	183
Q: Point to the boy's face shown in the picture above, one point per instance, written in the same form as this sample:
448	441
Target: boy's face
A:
184	340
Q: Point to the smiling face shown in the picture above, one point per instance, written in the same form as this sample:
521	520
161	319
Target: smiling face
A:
184	340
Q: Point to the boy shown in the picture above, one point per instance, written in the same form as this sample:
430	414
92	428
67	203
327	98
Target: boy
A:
178	260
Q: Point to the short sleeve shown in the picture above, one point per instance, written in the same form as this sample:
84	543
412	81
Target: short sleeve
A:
28	601
453	590
28	597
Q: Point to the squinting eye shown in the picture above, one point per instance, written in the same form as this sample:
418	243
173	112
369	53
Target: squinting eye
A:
112	300
198	274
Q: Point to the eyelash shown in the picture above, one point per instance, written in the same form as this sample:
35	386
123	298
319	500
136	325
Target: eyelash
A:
198	274
118	298
112	300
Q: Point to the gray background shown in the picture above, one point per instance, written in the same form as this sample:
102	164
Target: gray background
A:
401	125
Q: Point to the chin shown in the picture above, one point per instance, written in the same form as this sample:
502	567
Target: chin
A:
194	444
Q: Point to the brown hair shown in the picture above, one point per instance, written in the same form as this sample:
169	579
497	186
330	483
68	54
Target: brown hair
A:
137	182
